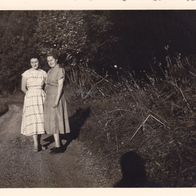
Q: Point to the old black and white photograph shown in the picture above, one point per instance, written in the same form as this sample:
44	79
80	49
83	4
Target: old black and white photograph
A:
97	98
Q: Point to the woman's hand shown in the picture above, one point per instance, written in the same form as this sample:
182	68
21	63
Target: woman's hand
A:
24	85
59	91
55	105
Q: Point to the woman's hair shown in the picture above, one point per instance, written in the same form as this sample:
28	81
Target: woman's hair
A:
34	58
53	54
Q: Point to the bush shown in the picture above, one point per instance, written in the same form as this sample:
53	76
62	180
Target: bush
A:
167	138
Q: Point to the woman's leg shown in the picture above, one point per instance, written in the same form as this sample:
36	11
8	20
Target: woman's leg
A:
57	140
58	147
36	144
41	146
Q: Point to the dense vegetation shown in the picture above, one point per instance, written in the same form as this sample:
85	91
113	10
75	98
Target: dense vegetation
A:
129	69
155	120
99	40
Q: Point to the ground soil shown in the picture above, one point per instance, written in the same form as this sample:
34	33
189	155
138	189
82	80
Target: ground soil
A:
21	167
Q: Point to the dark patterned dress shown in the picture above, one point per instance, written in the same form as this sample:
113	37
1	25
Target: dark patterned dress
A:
55	119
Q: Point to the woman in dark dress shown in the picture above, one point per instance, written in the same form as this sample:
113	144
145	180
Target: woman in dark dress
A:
56	120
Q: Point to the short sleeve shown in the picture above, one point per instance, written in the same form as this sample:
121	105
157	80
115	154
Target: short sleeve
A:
25	74
44	74
61	73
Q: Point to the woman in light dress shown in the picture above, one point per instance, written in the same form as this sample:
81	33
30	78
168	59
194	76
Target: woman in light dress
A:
32	84
55	107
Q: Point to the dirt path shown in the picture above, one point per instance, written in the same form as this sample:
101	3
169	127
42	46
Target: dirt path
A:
21	167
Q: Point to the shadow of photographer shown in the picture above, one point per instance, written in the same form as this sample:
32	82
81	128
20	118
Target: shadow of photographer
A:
133	172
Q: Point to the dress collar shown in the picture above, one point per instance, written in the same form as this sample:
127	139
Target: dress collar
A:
56	66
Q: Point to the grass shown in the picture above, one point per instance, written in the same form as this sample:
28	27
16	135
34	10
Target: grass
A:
166	140
154	118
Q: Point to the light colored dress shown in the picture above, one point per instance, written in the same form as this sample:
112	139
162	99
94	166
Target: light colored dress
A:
55	119
32	118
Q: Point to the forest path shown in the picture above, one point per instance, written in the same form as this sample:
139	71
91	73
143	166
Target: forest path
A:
21	167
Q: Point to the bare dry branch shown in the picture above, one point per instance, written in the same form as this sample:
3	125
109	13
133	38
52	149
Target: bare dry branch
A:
142	124
139	127
119	109
88	93
188	168
193	74
181	92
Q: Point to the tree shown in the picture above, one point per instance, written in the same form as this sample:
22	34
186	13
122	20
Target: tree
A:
86	36
16	47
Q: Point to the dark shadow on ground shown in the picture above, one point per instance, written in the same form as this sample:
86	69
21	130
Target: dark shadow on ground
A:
76	121
133	172
3	108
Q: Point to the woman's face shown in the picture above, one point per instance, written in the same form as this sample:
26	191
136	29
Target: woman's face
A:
52	62
34	63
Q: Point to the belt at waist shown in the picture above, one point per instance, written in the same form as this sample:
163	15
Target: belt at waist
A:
34	88
49	84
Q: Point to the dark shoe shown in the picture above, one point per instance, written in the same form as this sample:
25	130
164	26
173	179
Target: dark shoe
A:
56	150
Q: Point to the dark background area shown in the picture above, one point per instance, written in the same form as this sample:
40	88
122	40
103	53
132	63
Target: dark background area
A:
99	39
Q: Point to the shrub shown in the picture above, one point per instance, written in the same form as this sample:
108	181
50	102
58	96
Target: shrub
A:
167	138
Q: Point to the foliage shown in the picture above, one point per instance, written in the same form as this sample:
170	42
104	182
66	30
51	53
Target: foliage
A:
82	39
166	142
15	48
64	31
108	42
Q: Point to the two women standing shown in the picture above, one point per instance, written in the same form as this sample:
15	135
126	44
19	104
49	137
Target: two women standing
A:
44	112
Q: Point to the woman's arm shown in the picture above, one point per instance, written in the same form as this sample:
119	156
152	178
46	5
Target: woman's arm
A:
45	81
59	91
24	85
